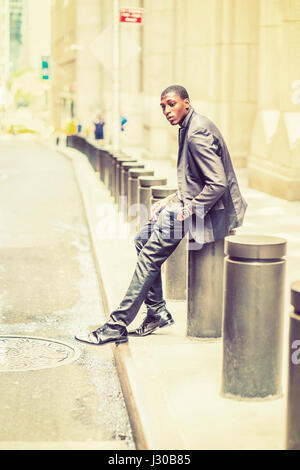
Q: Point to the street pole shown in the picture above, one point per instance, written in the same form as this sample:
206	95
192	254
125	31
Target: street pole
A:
116	78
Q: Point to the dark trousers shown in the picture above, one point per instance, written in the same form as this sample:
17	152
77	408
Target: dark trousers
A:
155	242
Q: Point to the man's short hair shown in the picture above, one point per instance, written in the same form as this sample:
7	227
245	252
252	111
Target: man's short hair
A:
180	90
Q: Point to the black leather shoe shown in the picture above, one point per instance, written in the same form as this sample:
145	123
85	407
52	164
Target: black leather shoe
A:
105	334
152	322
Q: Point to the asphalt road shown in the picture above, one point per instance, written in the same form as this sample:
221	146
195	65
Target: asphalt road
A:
54	392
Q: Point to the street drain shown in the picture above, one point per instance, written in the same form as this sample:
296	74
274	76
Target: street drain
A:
22	353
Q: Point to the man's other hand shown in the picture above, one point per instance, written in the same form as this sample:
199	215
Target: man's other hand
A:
184	213
158	206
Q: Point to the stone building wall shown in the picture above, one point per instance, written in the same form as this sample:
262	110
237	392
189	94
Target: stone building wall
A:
239	60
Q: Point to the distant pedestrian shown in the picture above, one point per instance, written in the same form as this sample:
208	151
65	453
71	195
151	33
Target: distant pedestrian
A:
208	206
123	122
99	126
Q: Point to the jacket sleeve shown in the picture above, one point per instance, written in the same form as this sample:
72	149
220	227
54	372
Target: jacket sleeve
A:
203	147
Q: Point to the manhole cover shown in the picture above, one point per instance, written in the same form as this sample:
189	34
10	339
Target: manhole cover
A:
18	353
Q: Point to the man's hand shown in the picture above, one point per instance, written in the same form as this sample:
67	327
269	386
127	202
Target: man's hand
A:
155	208
184	213
159	206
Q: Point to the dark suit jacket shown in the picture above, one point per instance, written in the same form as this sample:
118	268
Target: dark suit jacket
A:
206	179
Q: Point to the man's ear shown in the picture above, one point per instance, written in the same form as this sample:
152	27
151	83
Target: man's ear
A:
187	103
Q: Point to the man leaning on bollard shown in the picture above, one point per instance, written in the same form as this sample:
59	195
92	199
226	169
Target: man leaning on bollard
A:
208	205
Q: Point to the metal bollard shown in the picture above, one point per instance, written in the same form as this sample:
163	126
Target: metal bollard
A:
106	168
102	164
94	157
175	266
145	194
81	144
124	173
112	179
205	290
293	392
160	192
254	278
88	152
97	157
112	161
118	173
133	193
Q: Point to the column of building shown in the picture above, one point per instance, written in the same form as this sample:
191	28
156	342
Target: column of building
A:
216	47
131	101
274	163
4	46
63	61
236	78
158	73
88	77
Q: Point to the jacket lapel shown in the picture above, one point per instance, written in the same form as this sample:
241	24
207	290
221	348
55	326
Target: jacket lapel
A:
182	133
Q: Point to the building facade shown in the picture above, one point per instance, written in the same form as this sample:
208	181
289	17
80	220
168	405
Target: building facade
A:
239	60
4	42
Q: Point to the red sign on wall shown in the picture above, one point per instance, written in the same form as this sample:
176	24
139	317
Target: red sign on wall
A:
131	15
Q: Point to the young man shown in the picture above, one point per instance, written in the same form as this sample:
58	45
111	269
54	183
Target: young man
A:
208	205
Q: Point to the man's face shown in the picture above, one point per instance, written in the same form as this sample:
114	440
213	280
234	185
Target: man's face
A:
174	107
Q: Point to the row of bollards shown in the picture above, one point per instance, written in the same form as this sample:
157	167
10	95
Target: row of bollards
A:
234	289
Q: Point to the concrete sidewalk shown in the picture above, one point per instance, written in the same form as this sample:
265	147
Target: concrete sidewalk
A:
172	382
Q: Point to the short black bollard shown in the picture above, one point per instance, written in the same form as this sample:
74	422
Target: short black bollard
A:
106	162
88	152
160	192
175	267
98	160
205	289
133	194
254	281
112	172
112	182
102	157
93	157
124	174
145	194
112	176
118	174
112	162
293	392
